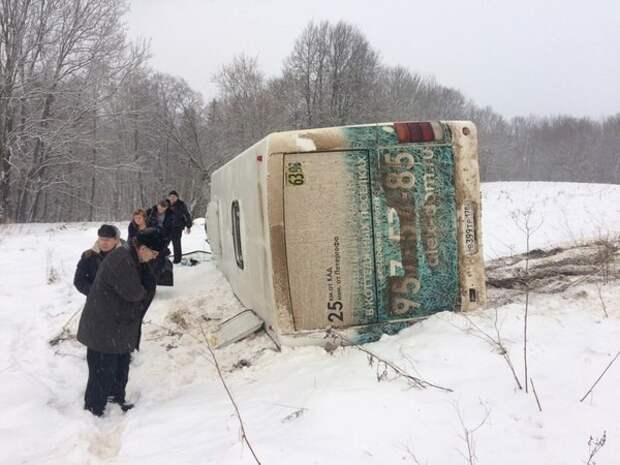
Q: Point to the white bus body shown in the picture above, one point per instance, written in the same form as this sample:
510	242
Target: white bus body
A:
361	228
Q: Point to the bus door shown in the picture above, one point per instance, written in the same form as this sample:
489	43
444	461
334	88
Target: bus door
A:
329	239
415	230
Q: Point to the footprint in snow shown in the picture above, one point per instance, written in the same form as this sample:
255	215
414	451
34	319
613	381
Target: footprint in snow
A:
105	443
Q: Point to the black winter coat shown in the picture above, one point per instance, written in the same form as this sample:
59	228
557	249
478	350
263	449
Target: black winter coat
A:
87	268
182	217
116	304
132	230
166	230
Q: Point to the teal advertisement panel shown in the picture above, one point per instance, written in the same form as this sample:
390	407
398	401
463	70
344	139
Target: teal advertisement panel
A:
415	230
414	223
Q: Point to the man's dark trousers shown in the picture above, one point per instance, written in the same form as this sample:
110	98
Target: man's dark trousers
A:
176	244
107	377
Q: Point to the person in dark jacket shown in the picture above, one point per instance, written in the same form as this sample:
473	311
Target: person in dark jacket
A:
108	239
161	216
138	223
111	321
182	220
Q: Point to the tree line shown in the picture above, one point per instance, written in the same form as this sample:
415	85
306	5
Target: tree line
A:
89	131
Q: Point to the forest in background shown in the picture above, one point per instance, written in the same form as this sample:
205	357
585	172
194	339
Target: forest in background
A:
89	131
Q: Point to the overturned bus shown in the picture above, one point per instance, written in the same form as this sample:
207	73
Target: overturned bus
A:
365	229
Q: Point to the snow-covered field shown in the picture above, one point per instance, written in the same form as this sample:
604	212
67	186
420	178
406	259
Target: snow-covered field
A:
303	405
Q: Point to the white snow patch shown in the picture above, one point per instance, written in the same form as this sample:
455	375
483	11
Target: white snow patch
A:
302	405
305	144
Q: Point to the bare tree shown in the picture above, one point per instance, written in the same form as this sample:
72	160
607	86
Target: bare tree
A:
89	131
334	69
62	48
525	221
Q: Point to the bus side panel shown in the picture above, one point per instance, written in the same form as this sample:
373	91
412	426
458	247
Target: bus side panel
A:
213	228
241	180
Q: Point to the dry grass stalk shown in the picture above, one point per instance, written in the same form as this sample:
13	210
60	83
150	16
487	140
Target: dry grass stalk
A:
497	343
600	377
383	365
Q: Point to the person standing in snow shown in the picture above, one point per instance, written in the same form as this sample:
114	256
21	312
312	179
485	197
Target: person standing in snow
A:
138	223
182	220
111	321
161	217
108	239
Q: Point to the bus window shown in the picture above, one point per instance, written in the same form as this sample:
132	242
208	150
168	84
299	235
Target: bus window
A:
236	232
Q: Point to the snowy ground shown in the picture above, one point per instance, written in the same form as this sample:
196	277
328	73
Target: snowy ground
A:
303	405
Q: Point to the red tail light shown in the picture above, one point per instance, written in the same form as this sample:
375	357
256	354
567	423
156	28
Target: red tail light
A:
414	132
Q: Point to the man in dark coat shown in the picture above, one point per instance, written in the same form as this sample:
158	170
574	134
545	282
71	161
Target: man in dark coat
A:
112	318
161	217
182	220
108	239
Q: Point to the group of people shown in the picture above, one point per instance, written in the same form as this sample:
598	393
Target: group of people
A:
119	279
171	216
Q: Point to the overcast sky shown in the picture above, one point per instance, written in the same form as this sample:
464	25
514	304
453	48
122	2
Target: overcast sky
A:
520	57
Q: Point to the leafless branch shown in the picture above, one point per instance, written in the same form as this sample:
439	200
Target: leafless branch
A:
599	378
468	434
594	446
535	395
382	372
244	435
496	342
523	219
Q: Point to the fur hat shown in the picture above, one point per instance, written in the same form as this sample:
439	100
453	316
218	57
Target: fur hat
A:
151	238
107	230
